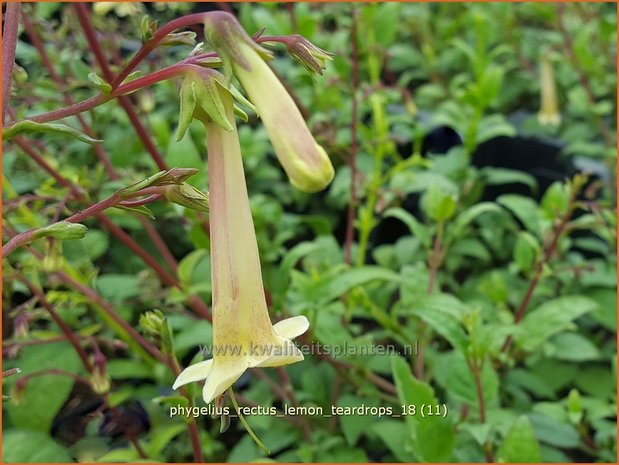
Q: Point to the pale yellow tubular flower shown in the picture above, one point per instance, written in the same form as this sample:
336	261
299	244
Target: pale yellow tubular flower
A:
549	112
306	163
243	335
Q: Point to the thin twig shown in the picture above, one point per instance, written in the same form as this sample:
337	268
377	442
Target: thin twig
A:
84	20
9	44
352	160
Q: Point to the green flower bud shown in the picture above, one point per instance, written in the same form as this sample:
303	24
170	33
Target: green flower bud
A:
188	196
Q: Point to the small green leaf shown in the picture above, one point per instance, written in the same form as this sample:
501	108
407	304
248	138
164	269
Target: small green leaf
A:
418	230
438	205
551	318
432	436
555	201
140	210
100	83
188	264
525	209
526	251
29	446
29	127
520	444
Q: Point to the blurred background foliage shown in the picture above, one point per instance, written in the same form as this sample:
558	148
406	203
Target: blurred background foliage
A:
473	242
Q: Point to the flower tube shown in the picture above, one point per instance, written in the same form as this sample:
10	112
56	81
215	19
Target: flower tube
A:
549	112
243	335
306	163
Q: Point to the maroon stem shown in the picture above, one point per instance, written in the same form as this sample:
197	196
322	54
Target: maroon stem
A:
352	161
476	368
196	303
539	269
434	261
93	210
84	19
98	149
9	44
47	63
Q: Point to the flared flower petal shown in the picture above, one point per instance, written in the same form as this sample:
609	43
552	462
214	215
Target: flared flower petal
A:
223	375
291	327
193	373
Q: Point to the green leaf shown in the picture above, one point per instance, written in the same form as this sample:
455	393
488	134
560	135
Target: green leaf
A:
353	426
494	176
418	230
100	83
118	287
520	445
44	395
551	318
554	432
555	201
161	436
396	436
456	229
432	436
525	209
438	205
442	312
188	264
31	446
30	127
526	251
139	210
574	347
343	282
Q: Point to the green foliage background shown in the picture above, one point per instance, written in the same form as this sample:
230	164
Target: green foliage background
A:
474	67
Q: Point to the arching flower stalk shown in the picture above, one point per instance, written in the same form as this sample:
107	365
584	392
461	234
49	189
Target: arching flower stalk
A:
243	335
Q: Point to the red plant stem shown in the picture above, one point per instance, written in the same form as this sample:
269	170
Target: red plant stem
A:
476	368
140	202
539	269
84	20
159	35
54	371
93	210
98	149
196	303
8	345
66	330
352	160
47	63
434	261
9	44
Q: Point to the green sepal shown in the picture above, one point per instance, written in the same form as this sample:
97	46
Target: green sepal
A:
140	209
104	86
